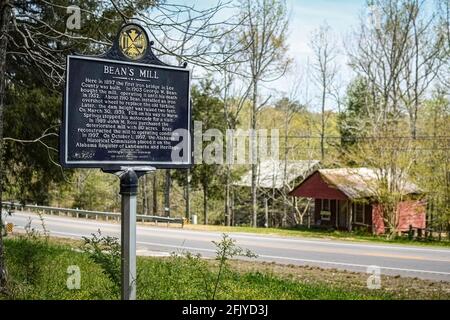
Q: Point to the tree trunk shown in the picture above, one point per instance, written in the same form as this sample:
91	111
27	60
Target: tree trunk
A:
266	212
145	195
205	204
413	124
167	193
284	188
227	195
254	155
5	12
350	217
155	194
310	213
322	128
188	194
227	166
232	220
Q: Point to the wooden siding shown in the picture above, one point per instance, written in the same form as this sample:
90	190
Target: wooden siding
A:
316	187
411	213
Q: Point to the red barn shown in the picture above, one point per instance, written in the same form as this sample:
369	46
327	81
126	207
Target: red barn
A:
345	198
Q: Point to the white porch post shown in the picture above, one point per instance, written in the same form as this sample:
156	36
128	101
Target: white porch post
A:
350	215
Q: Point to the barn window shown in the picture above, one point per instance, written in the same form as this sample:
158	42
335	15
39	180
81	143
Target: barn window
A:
358	212
325	213
325	204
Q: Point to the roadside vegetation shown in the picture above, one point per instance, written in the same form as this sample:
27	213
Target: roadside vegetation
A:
38	269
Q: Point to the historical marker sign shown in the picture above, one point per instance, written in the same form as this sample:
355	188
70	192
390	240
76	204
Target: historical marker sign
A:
128	113
124	113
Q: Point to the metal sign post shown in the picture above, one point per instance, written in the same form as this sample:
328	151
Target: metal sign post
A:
129	182
128	191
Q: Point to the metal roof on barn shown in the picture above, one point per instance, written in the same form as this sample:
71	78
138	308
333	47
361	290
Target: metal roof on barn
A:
362	182
270	173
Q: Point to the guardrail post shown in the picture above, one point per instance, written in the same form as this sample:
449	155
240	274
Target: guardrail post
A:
128	191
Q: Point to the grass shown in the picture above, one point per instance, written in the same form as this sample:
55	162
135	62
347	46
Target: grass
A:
322	234
38	270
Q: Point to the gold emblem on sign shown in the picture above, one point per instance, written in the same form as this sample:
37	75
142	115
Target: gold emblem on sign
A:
133	42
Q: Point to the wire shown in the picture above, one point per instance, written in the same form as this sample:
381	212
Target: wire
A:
370	137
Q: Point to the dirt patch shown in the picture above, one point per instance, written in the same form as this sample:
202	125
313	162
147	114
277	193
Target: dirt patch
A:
398	287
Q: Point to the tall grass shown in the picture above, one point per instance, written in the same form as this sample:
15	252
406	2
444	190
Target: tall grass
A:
38	270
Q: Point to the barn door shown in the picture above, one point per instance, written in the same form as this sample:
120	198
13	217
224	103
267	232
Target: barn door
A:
343	214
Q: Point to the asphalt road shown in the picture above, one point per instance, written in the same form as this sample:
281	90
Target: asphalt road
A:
410	261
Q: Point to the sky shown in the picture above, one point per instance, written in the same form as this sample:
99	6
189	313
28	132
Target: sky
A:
308	15
305	17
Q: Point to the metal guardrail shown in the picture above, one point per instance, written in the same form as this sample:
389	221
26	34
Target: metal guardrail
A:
77	213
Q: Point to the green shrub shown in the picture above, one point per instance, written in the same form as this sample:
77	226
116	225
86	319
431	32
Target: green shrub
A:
105	251
37	269
181	276
30	254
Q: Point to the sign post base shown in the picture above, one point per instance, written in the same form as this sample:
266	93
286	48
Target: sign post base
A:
129	181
